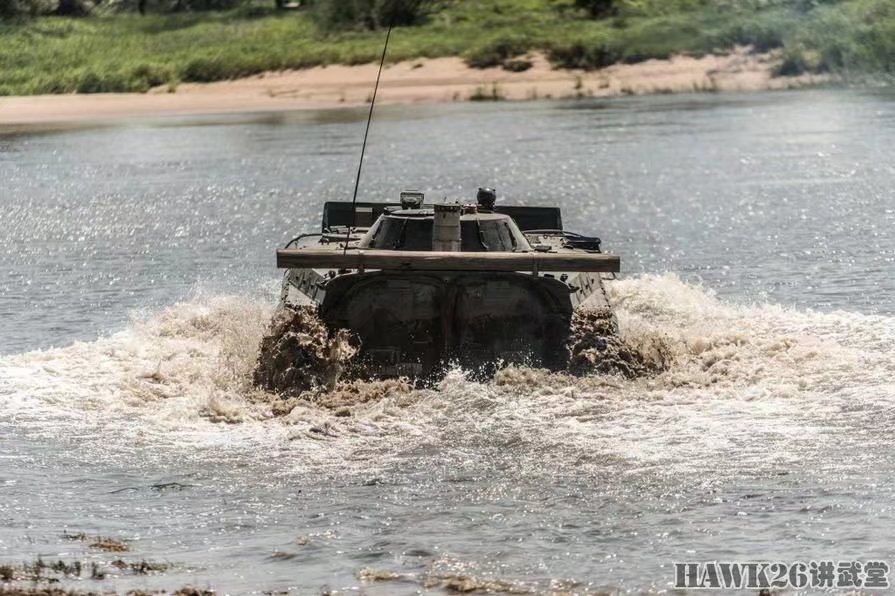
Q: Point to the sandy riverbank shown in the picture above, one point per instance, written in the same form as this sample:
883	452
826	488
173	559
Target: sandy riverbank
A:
434	80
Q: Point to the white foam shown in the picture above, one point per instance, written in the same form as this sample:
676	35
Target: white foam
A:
761	381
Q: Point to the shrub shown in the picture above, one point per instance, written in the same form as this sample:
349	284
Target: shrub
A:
9	8
851	38
72	8
33	8
517	65
497	51
586	55
368	14
203	5
763	31
146	76
206	70
597	8
92	82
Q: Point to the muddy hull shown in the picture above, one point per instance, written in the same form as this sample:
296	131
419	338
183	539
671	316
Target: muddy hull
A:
499	289
417	325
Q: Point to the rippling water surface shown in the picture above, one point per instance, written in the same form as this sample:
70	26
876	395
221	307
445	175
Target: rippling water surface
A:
136	277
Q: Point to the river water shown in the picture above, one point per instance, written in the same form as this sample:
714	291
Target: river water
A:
756	232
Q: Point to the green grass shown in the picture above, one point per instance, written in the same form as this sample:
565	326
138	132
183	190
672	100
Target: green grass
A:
127	52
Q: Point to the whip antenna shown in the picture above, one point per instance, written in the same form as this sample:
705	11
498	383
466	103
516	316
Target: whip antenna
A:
363	149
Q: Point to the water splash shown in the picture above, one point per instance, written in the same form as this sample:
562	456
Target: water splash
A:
173	377
596	346
188	361
298	353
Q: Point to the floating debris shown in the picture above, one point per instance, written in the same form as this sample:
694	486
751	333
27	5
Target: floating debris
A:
460	584
141	567
379	575
54	572
464	584
175	486
39	591
109	545
35	591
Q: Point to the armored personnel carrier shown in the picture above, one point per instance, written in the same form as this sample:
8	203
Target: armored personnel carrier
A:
420	287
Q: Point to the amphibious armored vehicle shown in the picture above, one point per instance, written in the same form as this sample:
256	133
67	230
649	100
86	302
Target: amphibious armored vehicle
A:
424	286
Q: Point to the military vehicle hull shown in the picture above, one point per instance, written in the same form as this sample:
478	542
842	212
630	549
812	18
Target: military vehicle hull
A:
416	323
416	313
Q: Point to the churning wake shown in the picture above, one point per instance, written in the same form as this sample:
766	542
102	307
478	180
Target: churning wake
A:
184	376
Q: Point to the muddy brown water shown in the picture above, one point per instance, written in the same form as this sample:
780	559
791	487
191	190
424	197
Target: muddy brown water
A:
136	279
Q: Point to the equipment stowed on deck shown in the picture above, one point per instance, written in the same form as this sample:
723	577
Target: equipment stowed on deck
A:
342	214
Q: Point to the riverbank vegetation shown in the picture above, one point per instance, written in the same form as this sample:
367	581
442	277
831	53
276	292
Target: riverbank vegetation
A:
87	46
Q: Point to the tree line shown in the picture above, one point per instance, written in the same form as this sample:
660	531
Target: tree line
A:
364	14
367	14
